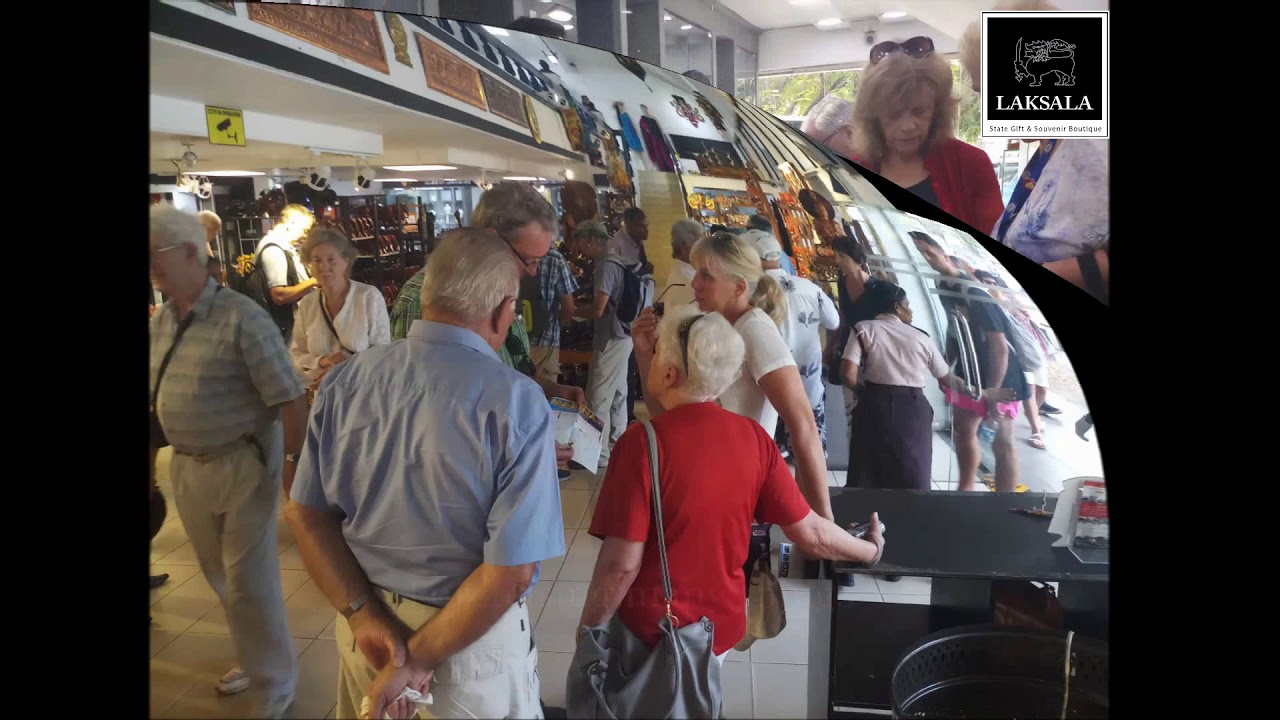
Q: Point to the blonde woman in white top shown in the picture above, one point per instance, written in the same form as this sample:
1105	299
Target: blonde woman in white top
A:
729	280
344	318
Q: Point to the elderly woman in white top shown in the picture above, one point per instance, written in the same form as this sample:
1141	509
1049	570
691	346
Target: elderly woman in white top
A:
685	234
830	122
1060	212
344	318
807	309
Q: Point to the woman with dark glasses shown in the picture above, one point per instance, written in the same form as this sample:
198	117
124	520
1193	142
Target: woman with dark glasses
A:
1060	212
904	119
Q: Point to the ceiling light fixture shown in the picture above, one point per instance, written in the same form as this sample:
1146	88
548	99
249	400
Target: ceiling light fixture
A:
686	26
828	22
496	31
418	168
567	28
626	12
666	18
522	178
893	15
560	13
227	173
395	179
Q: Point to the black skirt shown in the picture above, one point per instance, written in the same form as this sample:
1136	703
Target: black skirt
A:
891	443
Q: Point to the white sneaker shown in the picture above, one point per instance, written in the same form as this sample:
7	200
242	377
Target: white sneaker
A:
235	681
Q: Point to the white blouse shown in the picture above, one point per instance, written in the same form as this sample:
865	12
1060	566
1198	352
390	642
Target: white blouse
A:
361	323
766	351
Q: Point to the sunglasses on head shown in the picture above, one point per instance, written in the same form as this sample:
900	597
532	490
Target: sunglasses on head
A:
917	47
683	334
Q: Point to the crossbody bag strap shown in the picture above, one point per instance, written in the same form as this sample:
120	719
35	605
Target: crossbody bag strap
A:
657	516
168	355
324	311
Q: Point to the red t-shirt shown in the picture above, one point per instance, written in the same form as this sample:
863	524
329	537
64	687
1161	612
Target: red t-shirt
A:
719	471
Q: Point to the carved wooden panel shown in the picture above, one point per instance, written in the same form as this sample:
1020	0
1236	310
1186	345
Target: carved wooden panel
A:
449	74
353	34
504	101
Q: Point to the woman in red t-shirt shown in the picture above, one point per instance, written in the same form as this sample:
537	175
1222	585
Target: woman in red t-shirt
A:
718	472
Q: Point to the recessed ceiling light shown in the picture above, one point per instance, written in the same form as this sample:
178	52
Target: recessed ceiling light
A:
522	178
227	173
893	15
395	179
496	31
560	13
686	26
626	12
567	28
554	60
828	22
418	168
666	18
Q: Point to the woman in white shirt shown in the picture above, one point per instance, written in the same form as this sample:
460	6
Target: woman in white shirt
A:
731	281
344	318
892	442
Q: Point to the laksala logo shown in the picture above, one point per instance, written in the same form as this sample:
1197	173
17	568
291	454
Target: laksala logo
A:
1057	83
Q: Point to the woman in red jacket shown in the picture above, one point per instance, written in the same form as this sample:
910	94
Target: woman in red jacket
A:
904	119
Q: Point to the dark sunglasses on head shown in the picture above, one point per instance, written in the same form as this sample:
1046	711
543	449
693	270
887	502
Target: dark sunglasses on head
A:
683	334
917	47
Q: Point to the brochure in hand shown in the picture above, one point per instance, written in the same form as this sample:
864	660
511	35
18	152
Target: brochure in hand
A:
576	425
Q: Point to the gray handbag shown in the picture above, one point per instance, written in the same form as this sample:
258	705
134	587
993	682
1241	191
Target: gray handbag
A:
614	676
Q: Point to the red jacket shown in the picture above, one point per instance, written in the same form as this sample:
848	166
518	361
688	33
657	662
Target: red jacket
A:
964	181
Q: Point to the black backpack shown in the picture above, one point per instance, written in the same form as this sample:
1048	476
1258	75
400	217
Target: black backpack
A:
254	285
533	307
637	292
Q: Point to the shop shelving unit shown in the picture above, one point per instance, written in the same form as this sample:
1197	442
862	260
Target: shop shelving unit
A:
392	240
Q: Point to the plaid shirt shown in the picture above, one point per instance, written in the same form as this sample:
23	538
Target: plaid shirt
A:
514	352
554	280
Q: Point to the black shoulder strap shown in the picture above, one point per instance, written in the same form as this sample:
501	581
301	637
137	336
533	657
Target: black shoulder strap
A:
177	338
324	312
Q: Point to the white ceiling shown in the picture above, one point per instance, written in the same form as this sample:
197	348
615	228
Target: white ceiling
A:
409	138
774	14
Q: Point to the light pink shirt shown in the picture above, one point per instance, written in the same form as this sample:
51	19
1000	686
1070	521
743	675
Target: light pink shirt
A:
895	353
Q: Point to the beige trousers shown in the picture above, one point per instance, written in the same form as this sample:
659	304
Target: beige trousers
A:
546	362
495	677
228	505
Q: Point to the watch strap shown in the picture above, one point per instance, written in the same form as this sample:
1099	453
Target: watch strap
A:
355	606
291	458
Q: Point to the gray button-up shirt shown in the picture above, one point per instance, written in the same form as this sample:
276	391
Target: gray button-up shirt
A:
227	375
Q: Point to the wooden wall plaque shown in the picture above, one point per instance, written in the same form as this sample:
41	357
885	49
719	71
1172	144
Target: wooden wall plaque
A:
504	101
449	74
353	34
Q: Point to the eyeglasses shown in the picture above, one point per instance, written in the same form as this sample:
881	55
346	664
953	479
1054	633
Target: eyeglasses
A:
683	334
917	47
157	251
528	263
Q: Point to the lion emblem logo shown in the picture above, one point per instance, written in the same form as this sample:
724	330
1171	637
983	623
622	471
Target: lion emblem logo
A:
1041	59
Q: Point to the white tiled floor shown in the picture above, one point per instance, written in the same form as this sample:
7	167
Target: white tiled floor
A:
191	647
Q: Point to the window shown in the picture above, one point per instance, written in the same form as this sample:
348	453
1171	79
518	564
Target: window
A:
689	46
744	64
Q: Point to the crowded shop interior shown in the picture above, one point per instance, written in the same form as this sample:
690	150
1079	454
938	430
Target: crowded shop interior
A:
388	247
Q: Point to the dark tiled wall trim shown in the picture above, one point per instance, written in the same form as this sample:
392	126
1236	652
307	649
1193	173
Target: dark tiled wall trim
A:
188	27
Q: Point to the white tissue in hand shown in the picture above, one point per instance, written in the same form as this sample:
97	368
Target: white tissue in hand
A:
409	694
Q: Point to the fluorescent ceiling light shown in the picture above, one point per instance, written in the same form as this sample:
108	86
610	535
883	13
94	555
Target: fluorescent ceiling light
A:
522	178
560	14
667	18
226	173
418	168
626	12
893	15
828	22
496	31
395	179
686	26
567	28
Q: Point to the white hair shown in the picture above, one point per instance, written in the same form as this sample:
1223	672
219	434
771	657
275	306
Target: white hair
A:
171	226
826	117
469	275
686	232
209	218
716	352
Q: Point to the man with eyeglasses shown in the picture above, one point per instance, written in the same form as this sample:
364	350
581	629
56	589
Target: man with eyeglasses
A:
525	221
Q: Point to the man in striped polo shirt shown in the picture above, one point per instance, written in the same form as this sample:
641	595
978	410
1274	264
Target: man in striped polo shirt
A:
221	382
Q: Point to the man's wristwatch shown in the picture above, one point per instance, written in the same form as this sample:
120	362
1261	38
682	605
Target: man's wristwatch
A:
355	606
291	458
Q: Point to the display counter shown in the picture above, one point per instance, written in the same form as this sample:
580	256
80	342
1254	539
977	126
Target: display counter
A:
965	543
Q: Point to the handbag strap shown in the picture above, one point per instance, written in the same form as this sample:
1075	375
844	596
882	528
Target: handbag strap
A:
657	516
168	355
324	311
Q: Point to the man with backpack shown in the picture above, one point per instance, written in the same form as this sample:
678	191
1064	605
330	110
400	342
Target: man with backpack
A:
622	290
279	279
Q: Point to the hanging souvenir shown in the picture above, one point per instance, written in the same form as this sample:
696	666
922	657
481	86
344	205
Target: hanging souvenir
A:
532	116
573	129
687	111
716	118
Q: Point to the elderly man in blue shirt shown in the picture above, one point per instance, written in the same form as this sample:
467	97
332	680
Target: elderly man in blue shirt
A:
427	495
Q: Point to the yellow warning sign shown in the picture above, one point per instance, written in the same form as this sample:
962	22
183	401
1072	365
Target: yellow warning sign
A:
226	126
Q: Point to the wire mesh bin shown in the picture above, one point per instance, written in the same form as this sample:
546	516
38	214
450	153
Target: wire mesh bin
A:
996	671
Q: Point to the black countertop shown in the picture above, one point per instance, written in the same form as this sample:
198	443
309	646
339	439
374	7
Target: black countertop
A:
961	535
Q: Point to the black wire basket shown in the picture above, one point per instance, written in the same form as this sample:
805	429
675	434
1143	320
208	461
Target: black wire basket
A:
1001	671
